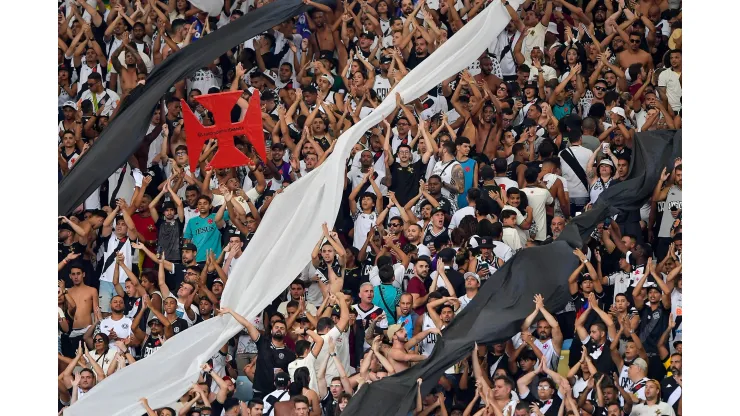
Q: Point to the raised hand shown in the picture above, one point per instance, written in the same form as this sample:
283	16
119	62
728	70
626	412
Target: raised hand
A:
539	301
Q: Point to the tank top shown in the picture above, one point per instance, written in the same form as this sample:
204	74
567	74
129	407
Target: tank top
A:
548	351
511	170
444	170
672	200
427	344
151	345
468	168
484	263
624	379
323	270
429	235
597	188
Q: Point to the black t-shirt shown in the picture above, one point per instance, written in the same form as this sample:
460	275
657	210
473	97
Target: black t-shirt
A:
270	358
457	280
405	180
601	356
151	345
63	250
169	236
353	280
179	325
174	279
668	387
495	207
652	325
581	304
414	60
327	404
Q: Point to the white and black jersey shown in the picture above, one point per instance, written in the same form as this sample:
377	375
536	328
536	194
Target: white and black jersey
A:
323	270
430	235
427	344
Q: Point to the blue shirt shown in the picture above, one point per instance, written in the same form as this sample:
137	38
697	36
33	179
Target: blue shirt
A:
204	233
392	296
468	168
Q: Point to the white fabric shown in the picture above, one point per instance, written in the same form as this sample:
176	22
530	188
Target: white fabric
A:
163	377
212	7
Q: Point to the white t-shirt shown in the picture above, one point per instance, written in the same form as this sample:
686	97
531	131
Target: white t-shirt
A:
669	80
459	215
121	326
310	363
575	186
342	349
535	37
398	272
505	183
363	224
537	199
511	238
662	408
111	99
109	245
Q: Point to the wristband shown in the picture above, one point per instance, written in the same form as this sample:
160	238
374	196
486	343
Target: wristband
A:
333	354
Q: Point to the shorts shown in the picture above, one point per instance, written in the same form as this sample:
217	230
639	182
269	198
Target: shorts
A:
105	295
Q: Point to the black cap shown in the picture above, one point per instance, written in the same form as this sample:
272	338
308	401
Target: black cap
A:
168	205
189	246
531	85
267	96
282	379
153	320
486	242
437	209
385	59
585	277
277	146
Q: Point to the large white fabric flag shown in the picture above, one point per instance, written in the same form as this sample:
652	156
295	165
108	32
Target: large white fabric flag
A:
212	7
282	245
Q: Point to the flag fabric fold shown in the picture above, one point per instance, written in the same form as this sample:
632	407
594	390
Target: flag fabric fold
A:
282	245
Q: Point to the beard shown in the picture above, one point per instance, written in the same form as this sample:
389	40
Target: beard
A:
543	336
278	337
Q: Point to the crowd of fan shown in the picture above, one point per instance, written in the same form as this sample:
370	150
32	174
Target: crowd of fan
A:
496	159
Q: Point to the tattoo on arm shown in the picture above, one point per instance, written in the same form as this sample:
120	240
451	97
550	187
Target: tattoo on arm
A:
458	179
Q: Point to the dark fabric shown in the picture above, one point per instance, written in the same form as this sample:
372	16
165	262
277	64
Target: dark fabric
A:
496	312
126	131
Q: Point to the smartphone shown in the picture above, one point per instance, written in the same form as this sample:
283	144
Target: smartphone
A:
604	147
578	213
607	222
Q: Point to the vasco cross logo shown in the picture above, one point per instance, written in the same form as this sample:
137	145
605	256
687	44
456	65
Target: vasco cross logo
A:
221	104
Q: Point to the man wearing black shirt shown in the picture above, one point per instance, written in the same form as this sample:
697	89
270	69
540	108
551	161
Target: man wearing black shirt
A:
580	287
402	176
272	356
546	398
176	272
594	341
419	54
654	315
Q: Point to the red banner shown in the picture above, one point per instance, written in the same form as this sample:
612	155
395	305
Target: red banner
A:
223	130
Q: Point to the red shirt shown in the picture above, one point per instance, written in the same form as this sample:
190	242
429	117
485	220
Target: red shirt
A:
417	286
147	229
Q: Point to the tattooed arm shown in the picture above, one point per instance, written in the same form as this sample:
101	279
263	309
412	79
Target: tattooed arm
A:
457	184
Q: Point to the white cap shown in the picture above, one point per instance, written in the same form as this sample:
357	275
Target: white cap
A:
71	104
552	27
618	110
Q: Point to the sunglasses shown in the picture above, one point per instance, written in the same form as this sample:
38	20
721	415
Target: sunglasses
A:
600	88
395	225
99	340
543	387
634	40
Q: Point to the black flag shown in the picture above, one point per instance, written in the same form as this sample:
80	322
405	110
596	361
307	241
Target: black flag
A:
498	310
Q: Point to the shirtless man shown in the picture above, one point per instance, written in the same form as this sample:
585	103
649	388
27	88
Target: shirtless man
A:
486	75
633	54
133	64
398	354
86	299
84	229
322	39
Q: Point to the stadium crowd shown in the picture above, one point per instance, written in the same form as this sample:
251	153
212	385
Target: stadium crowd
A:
496	159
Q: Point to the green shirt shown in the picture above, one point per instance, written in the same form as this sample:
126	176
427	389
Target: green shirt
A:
204	233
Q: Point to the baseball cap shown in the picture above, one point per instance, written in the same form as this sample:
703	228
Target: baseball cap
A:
278	146
531	85
227	378
385	59
471	274
392	329
640	363
437	209
154	320
486	242
218	281
70	104
267	96
282	379
618	110
269	75
585	277
189	246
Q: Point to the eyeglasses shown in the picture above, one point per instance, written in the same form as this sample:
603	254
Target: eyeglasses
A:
600	88
181	153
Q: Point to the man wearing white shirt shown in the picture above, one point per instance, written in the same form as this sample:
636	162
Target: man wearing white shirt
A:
537	198
472	284
536	28
472	196
574	160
